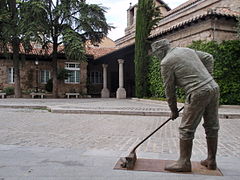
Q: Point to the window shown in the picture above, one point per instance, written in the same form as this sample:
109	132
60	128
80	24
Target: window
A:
11	75
96	77
74	73
44	76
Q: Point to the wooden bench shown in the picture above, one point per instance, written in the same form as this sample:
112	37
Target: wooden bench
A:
33	94
72	94
3	95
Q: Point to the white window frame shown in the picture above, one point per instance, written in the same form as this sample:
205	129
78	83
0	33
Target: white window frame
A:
43	73
10	75
75	68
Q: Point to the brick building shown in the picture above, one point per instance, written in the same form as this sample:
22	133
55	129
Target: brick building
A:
35	69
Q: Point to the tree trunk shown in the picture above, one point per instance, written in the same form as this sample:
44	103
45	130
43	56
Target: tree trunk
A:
17	87
15	46
55	69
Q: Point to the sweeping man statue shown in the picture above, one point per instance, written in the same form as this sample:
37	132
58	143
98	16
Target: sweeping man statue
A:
191	70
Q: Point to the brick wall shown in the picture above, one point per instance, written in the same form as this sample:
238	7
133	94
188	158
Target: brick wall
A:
67	87
29	76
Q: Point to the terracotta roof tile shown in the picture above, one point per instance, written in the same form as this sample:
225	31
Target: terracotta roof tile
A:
219	12
99	51
95	51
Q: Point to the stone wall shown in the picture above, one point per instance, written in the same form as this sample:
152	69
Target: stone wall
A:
202	31
232	4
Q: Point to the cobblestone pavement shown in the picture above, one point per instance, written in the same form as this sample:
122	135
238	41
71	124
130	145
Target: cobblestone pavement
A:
27	127
36	144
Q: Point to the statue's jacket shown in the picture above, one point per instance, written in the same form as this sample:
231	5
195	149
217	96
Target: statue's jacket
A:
186	68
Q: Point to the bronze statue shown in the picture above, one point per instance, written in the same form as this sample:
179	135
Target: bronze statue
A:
191	70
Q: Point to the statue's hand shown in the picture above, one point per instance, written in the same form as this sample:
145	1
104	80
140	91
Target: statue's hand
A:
174	114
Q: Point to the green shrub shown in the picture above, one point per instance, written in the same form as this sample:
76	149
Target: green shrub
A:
226	67
8	90
156	87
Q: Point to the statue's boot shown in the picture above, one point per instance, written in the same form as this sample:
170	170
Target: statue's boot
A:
183	164
210	162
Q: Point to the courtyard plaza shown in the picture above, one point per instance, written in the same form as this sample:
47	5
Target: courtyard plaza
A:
76	139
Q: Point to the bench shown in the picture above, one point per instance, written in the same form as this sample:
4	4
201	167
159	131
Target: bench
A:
33	94
72	94
3	95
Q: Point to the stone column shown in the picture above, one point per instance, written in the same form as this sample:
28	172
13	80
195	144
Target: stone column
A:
105	92
121	92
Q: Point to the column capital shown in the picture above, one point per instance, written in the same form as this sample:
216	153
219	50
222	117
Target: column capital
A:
104	65
120	61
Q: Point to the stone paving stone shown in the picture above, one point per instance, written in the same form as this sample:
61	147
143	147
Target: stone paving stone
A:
106	132
36	142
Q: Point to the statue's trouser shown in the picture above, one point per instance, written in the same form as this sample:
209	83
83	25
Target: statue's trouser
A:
202	102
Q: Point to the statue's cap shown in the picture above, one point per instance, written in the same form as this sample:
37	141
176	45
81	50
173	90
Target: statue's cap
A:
159	44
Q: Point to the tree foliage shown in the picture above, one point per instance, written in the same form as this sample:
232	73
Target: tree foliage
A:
15	33
147	16
52	23
68	23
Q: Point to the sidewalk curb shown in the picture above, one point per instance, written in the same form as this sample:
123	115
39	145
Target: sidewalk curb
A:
110	112
135	113
222	115
165	103
14	106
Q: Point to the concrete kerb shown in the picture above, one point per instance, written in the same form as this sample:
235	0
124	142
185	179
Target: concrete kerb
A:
16	106
223	115
109	111
225	111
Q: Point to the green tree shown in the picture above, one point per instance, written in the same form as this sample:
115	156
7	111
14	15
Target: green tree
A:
70	23
15	34
147	16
